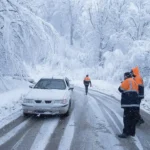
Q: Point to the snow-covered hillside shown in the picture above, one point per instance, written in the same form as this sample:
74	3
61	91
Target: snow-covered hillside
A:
27	40
102	38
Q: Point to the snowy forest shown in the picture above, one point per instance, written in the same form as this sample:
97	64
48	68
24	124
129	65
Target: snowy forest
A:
103	38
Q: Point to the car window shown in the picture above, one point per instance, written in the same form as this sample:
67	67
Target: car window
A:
51	84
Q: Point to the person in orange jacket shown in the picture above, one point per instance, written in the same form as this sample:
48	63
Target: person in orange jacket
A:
138	79
87	82
130	104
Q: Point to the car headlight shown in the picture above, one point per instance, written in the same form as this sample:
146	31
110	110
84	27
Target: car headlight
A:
28	101
64	101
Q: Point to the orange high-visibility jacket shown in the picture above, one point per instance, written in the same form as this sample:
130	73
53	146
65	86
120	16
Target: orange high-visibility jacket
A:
129	85
129	90
87	81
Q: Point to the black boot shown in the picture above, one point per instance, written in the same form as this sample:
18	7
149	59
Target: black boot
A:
141	121
123	135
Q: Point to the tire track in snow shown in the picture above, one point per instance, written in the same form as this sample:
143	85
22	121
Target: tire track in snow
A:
13	123
59	131
11	134
11	118
67	138
92	128
85	125
109	121
44	134
101	93
57	134
112	121
111	114
26	141
104	131
15	147
143	133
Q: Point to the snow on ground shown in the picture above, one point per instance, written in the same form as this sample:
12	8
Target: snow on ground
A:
8	83
66	141
44	134
11	134
103	86
111	88
11	91
145	105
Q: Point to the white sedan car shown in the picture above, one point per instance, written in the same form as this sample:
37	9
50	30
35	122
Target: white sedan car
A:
48	96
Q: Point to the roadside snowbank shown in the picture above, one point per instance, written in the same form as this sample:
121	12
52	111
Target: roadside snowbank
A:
111	88
10	93
9	83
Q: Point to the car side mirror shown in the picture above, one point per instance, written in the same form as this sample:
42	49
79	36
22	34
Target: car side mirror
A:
31	81
71	87
31	86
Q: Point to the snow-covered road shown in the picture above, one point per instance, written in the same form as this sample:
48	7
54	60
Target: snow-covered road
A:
93	124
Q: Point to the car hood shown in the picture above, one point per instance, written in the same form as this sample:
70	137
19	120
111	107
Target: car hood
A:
44	94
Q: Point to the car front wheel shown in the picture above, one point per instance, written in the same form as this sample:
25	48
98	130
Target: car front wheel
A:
26	115
69	110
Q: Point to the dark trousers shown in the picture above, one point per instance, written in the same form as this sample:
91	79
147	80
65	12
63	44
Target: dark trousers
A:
86	89
130	118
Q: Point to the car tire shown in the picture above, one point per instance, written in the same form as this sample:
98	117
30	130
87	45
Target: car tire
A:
26	115
68	111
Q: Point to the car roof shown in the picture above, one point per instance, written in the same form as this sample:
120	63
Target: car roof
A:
55	77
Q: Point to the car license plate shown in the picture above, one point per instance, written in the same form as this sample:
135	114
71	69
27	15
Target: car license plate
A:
39	111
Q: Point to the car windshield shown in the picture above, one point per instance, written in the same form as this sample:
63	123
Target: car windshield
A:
51	84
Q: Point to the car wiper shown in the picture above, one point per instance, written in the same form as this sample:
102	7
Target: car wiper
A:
45	88
36	87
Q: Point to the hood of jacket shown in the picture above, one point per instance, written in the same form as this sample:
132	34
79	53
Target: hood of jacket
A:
136	71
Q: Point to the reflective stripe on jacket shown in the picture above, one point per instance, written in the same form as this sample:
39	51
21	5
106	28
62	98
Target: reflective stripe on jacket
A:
129	90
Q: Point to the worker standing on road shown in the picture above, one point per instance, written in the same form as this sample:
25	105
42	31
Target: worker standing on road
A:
130	104
138	79
86	83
